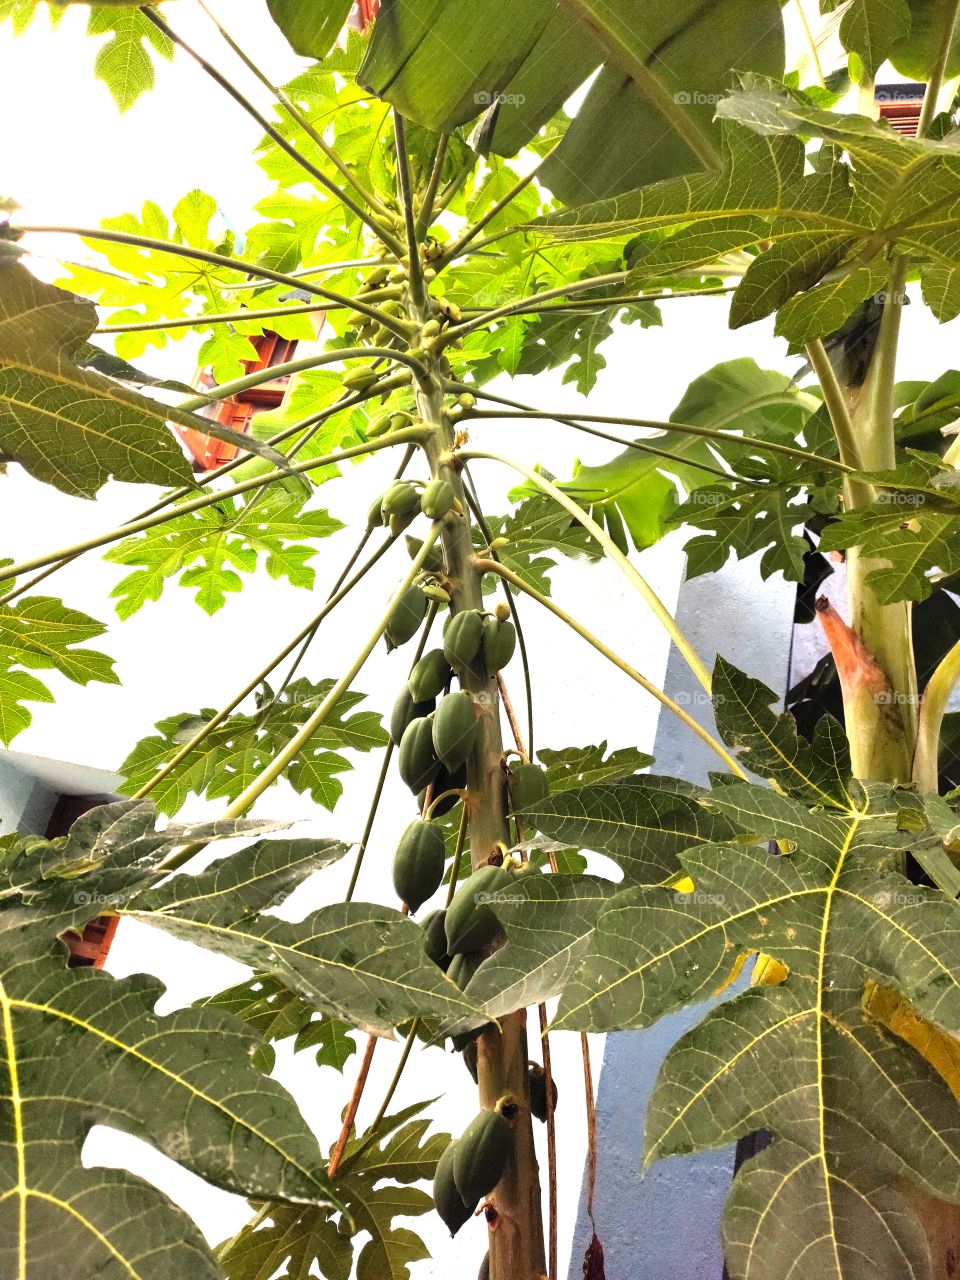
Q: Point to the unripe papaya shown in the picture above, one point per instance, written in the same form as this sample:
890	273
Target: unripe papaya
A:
461	970
455	729
461	638
430	329
528	785
418	863
406	617
400	499
430	676
445	781
434	560
470	1059
435	939
405	710
416	759
360	379
375	515
481	1155
537	1082
438	497
470	924
379	426
446	1198
398	522
499	642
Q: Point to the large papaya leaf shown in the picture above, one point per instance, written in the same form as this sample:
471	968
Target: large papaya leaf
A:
664	65
240	748
854	1110
310	28
80	1048
67	425
635	494
40	633
358	962
373	1181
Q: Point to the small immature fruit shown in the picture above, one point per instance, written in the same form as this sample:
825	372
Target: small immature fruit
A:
455	729
398	523
360	379
528	786
405	710
537	1082
461	638
430	676
433	592
481	1155
430	329
470	923
416	759
375	515
418	863
470	1059
499	642
437	499
434	560
435	939
406	617
446	1198
443	782
379	426
400	499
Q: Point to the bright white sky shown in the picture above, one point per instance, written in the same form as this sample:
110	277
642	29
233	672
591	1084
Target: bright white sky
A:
70	158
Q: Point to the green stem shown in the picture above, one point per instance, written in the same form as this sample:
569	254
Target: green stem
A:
471	233
457	856
418	291
494	566
214	259
425	216
682	428
455	332
620	299
296	114
276	767
836	405
392	1086
379	230
929	109
633	576
202	734
811	43
405	436
290	367
301	273
203	322
936	698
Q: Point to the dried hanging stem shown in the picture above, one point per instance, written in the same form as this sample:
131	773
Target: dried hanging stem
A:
350	1115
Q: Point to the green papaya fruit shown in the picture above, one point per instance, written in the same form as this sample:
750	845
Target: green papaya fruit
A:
470	924
461	638
405	710
481	1155
537	1082
462	968
470	1059
528	785
400	499
435	939
418	863
397	523
447	1200
445	781
360	379
455	729
416	759
375	515
430	676
464	1039
437	499
407	615
499	642
434	560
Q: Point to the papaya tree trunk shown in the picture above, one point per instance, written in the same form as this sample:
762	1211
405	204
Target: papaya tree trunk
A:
516	1247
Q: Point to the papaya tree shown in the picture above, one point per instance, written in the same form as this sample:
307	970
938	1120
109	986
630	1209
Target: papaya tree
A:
434	197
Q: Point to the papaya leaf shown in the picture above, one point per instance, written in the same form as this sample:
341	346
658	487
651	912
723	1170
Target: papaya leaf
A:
124	62
312	29
807	1058
205	548
574	767
41	634
69	426
241	747
536	527
82	1048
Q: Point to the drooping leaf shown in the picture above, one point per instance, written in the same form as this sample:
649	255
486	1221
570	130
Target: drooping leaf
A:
70	426
241	747
205	548
81	1048
311	29
124	62
41	634
805	1059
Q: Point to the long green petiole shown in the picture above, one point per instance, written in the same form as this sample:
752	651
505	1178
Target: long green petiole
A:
494	566
633	576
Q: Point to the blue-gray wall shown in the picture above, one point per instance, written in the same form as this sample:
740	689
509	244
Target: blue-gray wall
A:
665	1224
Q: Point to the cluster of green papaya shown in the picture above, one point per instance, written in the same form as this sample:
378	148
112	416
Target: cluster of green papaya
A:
405	499
474	1163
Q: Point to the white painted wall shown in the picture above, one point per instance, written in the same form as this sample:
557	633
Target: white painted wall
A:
74	160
